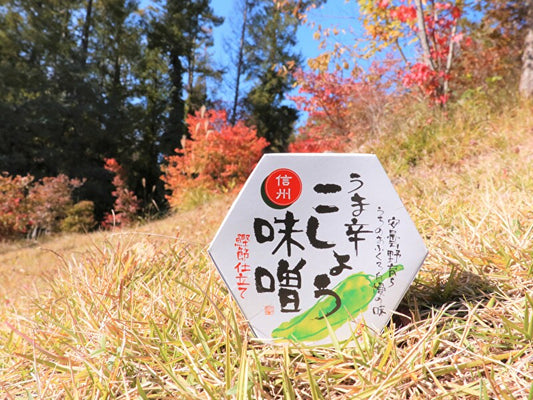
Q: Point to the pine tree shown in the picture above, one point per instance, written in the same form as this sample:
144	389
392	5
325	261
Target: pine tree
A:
43	86
268	53
180	31
67	89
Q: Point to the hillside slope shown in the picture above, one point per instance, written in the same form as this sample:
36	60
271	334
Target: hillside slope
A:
145	314
25	266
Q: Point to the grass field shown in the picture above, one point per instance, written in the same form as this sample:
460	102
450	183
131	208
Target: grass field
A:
142	313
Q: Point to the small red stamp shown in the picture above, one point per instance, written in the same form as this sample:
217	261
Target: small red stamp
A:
269	310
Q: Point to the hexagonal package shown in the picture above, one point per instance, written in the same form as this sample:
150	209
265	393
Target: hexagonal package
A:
316	243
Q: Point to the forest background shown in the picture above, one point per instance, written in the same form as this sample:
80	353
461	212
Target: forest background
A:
113	111
88	102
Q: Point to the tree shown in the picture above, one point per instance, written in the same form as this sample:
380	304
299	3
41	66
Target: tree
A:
153	92
69	92
35	48
179	31
526	78
67	89
269	58
273	120
126	203
116	51
240	61
491	55
217	156
342	111
434	27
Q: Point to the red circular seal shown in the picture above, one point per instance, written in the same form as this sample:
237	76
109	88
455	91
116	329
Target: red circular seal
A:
282	188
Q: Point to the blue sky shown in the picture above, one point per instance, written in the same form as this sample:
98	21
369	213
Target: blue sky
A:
333	13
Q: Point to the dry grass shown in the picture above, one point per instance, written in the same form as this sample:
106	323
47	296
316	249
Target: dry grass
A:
145	315
26	265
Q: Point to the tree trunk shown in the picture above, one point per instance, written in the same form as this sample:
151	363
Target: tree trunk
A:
175	129
526	79
239	64
423	35
86	30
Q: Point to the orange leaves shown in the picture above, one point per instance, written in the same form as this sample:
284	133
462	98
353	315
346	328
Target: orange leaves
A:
298	8
382	21
216	157
320	63
429	81
340	109
314	142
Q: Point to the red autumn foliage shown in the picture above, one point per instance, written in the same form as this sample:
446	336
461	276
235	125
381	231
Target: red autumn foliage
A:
342	111
27	206
394	20
217	156
126	204
49	200
403	13
14	210
428	81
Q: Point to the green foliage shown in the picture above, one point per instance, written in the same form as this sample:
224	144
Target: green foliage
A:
269	56
273	120
82	81
79	217
67	89
181	31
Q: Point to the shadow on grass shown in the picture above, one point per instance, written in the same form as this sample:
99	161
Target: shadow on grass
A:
430	293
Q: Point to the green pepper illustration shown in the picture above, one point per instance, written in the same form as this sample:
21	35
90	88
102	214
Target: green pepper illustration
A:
355	292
